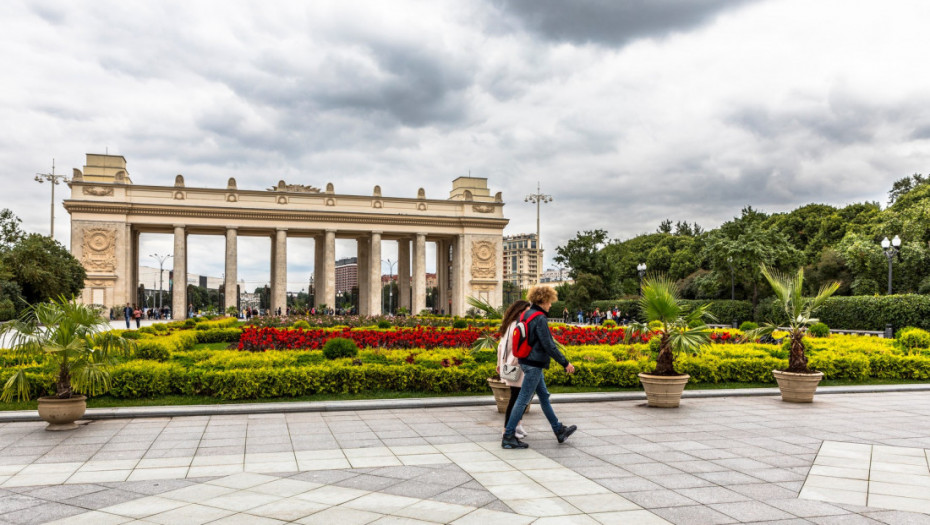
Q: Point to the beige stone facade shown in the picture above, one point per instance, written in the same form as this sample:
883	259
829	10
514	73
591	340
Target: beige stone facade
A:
109	212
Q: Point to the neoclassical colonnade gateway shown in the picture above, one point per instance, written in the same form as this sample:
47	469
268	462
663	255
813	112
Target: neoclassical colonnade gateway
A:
109	212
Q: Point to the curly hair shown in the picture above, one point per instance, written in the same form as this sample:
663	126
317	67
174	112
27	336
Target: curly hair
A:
542	294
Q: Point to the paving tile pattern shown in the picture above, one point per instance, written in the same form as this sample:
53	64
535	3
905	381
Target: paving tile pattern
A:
714	460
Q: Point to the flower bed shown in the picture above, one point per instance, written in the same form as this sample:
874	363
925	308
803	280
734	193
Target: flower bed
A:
268	338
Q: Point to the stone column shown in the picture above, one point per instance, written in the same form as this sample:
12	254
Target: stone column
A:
457	292
442	276
279	285
362	252
374	275
134	267
232	271
318	267
403	273
329	269
179	294
418	297
272	277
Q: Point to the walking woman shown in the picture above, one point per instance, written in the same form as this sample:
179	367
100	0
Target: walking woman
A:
543	350
505	357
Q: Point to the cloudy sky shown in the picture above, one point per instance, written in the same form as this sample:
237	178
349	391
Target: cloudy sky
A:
626	111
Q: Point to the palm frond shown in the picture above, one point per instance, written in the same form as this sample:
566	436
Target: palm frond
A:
659	301
490	311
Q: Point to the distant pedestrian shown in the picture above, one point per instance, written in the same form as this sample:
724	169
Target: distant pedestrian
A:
505	357
543	350
127	313
137	315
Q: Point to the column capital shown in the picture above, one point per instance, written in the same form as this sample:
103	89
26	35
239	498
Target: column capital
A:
376	232
330	231
176	226
232	228
280	229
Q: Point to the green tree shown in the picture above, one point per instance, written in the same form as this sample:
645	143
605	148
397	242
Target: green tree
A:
43	269
10	231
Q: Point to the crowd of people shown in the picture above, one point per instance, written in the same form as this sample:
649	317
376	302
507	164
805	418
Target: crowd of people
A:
597	317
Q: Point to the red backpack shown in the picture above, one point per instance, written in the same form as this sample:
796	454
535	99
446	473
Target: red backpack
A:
521	344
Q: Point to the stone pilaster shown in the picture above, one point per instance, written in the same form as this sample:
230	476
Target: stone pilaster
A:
179	294
318	270
419	274
232	268
280	271
329	272
362	252
403	273
442	276
457	291
374	274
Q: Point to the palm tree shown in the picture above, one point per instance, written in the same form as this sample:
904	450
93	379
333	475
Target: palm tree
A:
489	311
681	331
789	290
74	338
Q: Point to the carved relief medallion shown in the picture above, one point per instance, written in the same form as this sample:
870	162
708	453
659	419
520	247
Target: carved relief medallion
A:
482	208
483	260
98	191
99	252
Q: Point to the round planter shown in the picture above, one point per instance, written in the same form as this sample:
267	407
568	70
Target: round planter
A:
663	391
797	388
62	413
501	392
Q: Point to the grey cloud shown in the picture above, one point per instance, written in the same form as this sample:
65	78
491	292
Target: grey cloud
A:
612	22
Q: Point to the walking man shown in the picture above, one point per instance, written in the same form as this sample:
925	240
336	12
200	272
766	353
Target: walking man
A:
543	350
127	313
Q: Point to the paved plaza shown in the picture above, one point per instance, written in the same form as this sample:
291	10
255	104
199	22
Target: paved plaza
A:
847	458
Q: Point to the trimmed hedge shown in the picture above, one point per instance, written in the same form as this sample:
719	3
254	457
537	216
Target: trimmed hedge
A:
725	311
863	312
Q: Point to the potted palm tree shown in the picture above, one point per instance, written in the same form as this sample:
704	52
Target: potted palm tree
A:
75	340
680	330
798	383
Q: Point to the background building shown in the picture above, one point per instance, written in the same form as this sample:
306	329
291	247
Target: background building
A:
522	257
555	277
346	274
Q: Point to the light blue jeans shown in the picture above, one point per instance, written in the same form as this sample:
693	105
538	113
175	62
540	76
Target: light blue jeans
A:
533	383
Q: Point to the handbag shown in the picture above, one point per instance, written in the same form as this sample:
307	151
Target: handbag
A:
510	372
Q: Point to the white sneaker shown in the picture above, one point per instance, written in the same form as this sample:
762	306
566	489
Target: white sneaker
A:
520	431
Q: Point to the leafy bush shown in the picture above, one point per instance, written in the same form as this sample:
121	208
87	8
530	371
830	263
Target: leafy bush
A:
910	339
655	325
459	323
819	330
610	323
340	347
190	323
152	349
132	334
219	335
385	324
301	324
863	312
747	326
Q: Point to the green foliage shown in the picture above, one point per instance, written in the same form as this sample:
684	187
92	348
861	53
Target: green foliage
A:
459	323
305	325
384	324
132	334
610	323
340	347
911	339
152	349
218	335
819	330
747	326
43	269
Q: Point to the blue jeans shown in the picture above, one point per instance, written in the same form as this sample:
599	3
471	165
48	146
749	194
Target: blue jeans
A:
533	383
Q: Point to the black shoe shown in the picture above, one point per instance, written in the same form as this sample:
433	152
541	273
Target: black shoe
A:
563	432
511	441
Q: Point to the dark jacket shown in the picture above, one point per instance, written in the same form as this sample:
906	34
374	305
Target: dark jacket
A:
541	342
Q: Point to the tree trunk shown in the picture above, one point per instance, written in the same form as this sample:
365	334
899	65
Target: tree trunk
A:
64	384
797	361
665	362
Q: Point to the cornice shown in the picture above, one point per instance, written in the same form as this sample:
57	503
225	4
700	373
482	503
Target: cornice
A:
277	216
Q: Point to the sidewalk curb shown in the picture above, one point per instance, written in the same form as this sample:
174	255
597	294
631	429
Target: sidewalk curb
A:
429	402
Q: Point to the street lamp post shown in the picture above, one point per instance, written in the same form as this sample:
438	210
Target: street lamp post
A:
390	283
641	270
732	279
54	180
538	198
161	268
891	249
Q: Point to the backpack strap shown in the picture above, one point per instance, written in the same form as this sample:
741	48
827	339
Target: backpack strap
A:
526	322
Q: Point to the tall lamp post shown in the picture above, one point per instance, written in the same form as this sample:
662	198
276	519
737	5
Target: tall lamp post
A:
732	279
538	198
891	249
390	283
161	269
53	180
641	270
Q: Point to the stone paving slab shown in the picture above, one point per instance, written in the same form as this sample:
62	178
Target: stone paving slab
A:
713	460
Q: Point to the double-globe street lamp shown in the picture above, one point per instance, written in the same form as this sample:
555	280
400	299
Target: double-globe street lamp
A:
161	269
390	283
641	270
538	198
53	179
891	249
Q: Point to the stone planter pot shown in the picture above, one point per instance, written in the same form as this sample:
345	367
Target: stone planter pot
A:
502	395
797	388
663	391
62	413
